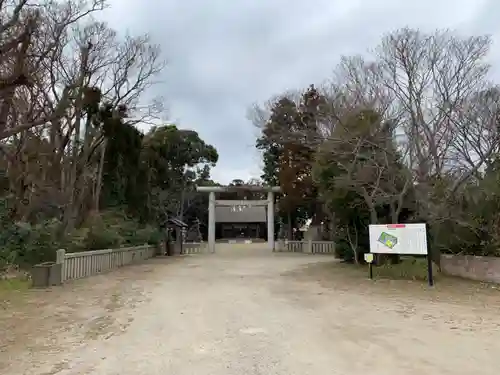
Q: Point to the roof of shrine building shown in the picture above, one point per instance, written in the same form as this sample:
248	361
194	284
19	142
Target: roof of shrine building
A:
176	222
252	214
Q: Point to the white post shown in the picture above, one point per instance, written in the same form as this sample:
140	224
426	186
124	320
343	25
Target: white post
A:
309	245
61	259
270	220
211	222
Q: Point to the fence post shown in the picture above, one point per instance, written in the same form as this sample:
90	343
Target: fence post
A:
61	259
310	246
280	245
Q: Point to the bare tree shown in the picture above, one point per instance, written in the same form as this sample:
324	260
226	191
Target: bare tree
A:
360	132
476	137
17	27
30	38
432	77
76	64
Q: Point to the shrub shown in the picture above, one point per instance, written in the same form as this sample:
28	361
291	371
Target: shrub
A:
114	229
12	239
100	237
128	230
76	240
7	258
151	235
343	250
25	244
43	242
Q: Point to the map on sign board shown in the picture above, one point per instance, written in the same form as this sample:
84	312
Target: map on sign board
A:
388	240
410	239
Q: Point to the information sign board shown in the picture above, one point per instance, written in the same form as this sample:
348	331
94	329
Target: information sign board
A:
405	239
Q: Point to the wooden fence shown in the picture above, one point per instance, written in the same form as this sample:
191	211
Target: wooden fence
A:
323	247
310	247
88	263
194	248
294	246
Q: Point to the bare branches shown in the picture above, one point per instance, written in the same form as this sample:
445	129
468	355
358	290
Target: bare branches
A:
432	92
411	131
31	41
61	71
432	77
476	137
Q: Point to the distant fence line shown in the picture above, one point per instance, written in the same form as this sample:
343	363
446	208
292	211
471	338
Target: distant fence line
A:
88	263
194	248
309	247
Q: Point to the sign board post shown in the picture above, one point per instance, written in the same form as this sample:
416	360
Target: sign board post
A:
430	276
401	239
369	260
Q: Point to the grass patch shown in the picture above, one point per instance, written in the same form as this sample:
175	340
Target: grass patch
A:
14	285
12	289
410	268
405	280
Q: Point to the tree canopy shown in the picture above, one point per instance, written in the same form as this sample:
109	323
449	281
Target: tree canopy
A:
75	170
407	133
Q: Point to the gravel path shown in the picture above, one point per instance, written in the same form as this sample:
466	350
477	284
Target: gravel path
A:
243	313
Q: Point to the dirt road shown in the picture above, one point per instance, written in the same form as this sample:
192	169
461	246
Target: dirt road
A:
247	313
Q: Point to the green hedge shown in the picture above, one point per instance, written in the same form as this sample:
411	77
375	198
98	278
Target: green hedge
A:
24	244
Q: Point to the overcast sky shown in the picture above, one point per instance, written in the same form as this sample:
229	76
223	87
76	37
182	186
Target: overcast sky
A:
224	55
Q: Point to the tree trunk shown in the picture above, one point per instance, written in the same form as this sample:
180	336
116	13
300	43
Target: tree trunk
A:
69	214
353	242
395	210
100	170
373	215
332	228
290	227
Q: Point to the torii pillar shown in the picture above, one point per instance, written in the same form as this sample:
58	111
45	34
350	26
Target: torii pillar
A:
270	220
211	222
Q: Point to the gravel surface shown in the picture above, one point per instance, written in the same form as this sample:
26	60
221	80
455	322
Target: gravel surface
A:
246	312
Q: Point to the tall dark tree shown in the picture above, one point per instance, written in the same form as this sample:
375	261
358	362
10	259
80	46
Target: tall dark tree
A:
287	142
121	163
169	160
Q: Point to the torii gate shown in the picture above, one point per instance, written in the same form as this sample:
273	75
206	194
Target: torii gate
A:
212	203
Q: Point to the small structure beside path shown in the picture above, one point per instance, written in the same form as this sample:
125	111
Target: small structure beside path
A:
174	235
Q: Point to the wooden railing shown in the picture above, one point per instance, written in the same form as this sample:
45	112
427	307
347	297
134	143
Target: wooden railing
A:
88	263
323	247
310	247
295	246
194	248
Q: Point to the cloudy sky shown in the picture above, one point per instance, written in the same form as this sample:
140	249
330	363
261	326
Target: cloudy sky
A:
225	55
